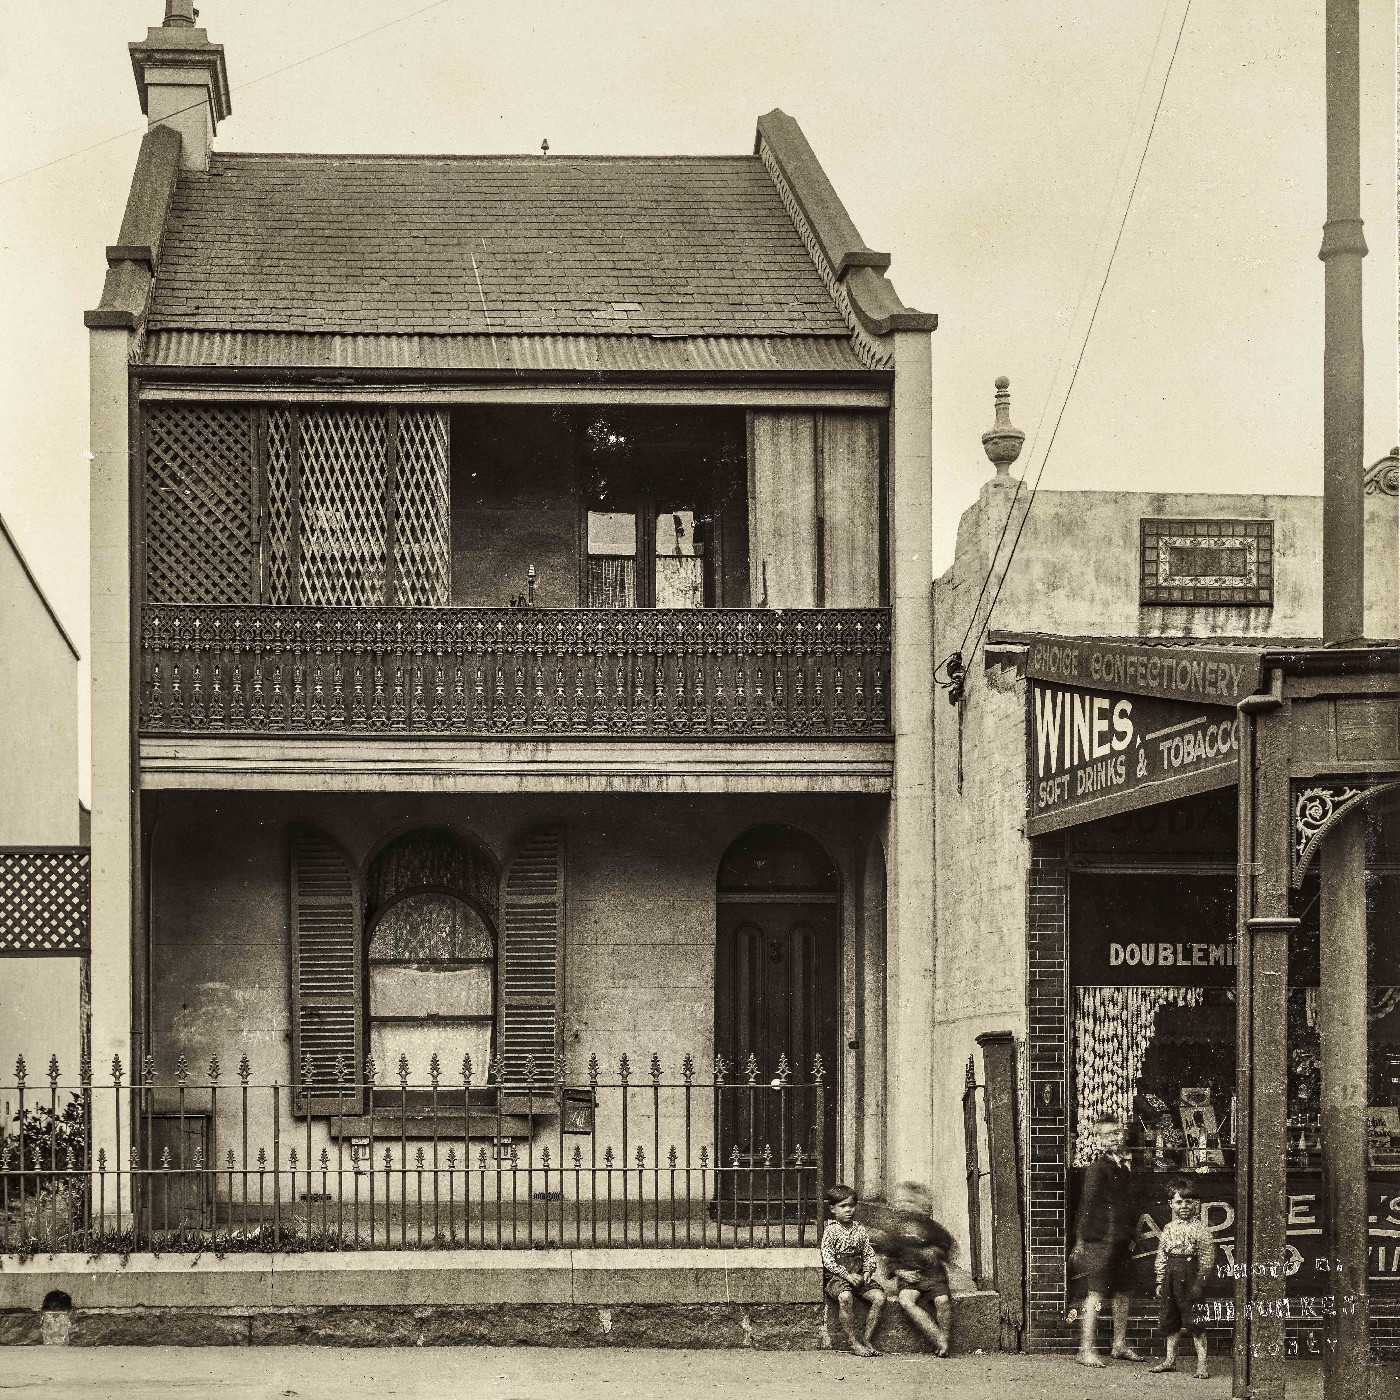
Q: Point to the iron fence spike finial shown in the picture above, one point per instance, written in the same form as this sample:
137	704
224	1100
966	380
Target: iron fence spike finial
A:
245	1070
608	1157
784	1070
734	1155
292	1159
342	1068
403	1071
655	1065
481	1159
593	1069
514	1156
388	1159
325	1159
687	1067
434	1068
544	1157
21	1069
262	1159
117	1068
230	1160
751	1069
214	1069
53	1070
530	1070
451	1159
418	1158
371	1069
135	1159
671	1157
85	1071
182	1068
624	1067
467	1070
578	1156
102	1159
720	1068
797	1156
308	1072
817	1071
767	1155
641	1157
704	1158
148	1069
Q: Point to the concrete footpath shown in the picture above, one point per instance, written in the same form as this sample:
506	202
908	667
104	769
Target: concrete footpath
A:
515	1373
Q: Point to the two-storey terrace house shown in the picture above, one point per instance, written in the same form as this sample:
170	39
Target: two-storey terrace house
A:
512	713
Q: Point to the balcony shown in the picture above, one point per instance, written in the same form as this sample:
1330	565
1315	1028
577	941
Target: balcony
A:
491	672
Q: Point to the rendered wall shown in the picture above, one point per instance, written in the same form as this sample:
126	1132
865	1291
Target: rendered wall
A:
641	925
39	1008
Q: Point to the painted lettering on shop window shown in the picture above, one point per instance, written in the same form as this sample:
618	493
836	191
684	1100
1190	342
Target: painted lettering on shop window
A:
1121	751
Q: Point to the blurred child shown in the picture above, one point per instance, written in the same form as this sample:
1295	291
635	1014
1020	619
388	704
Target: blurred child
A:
1185	1255
849	1267
914	1264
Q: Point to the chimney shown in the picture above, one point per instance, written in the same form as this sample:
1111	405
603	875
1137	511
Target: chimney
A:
182	81
1001	442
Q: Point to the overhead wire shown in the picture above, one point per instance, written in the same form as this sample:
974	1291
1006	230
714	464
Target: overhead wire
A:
239	87
1084	345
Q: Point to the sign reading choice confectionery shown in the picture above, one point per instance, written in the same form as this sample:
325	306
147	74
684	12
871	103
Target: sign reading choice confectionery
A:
1115	726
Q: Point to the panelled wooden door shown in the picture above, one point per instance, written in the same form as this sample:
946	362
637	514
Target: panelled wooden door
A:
777	990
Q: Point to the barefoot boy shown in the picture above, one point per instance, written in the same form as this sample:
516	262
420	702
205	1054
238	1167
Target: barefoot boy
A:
1185	1255
848	1267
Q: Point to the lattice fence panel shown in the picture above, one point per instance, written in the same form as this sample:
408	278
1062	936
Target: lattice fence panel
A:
200	462
423	533
44	901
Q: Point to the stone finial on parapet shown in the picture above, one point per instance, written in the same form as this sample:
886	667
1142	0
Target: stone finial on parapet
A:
1002	442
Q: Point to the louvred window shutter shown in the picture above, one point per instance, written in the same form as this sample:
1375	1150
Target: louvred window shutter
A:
532	960
327	992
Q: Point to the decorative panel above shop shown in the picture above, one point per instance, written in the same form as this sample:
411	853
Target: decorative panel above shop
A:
1203	563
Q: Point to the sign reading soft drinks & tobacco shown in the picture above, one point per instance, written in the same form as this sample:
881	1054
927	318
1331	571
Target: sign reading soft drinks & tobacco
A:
1115	726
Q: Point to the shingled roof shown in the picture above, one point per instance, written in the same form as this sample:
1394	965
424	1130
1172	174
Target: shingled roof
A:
668	246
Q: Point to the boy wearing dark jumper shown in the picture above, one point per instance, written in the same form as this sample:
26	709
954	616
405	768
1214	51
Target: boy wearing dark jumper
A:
1185	1255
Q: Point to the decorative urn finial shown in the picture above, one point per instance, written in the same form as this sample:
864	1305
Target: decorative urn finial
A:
1002	442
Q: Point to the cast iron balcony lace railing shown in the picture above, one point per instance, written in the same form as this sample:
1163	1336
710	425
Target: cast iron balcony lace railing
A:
177	1161
502	671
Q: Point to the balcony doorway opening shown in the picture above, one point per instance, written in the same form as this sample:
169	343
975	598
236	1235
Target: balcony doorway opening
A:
777	1008
600	507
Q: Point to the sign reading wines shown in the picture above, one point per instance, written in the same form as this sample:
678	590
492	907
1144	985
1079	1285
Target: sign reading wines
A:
1093	753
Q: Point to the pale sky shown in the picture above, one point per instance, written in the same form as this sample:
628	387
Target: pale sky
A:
977	142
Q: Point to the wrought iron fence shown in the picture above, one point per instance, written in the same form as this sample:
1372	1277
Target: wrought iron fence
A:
485	671
203	1163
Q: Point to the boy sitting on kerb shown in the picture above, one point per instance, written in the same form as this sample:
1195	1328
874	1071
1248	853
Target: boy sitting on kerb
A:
849	1267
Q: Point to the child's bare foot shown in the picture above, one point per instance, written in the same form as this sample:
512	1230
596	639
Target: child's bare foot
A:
1163	1366
1090	1358
1202	1373
1126	1354
861	1349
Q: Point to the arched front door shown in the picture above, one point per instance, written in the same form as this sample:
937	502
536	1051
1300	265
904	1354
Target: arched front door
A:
777	994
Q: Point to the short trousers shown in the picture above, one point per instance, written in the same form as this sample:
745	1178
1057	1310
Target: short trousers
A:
931	1283
1104	1266
1181	1301
835	1287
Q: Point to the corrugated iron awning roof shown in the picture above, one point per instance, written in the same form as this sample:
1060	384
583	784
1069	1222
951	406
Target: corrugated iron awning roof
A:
589	354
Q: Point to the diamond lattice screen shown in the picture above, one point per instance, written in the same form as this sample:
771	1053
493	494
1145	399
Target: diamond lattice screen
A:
200	464
343	469
44	901
423	529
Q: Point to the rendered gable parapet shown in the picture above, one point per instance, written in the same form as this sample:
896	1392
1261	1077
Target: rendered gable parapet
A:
859	270
133	259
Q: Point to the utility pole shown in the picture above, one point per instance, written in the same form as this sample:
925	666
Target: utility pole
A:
1342	996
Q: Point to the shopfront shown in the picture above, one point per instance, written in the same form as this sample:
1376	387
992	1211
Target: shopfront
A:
1132	988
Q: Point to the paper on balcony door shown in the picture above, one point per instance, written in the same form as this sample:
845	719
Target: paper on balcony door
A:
679	576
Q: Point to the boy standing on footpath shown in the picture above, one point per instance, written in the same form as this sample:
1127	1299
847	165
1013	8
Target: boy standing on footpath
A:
1185	1256
1103	1241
